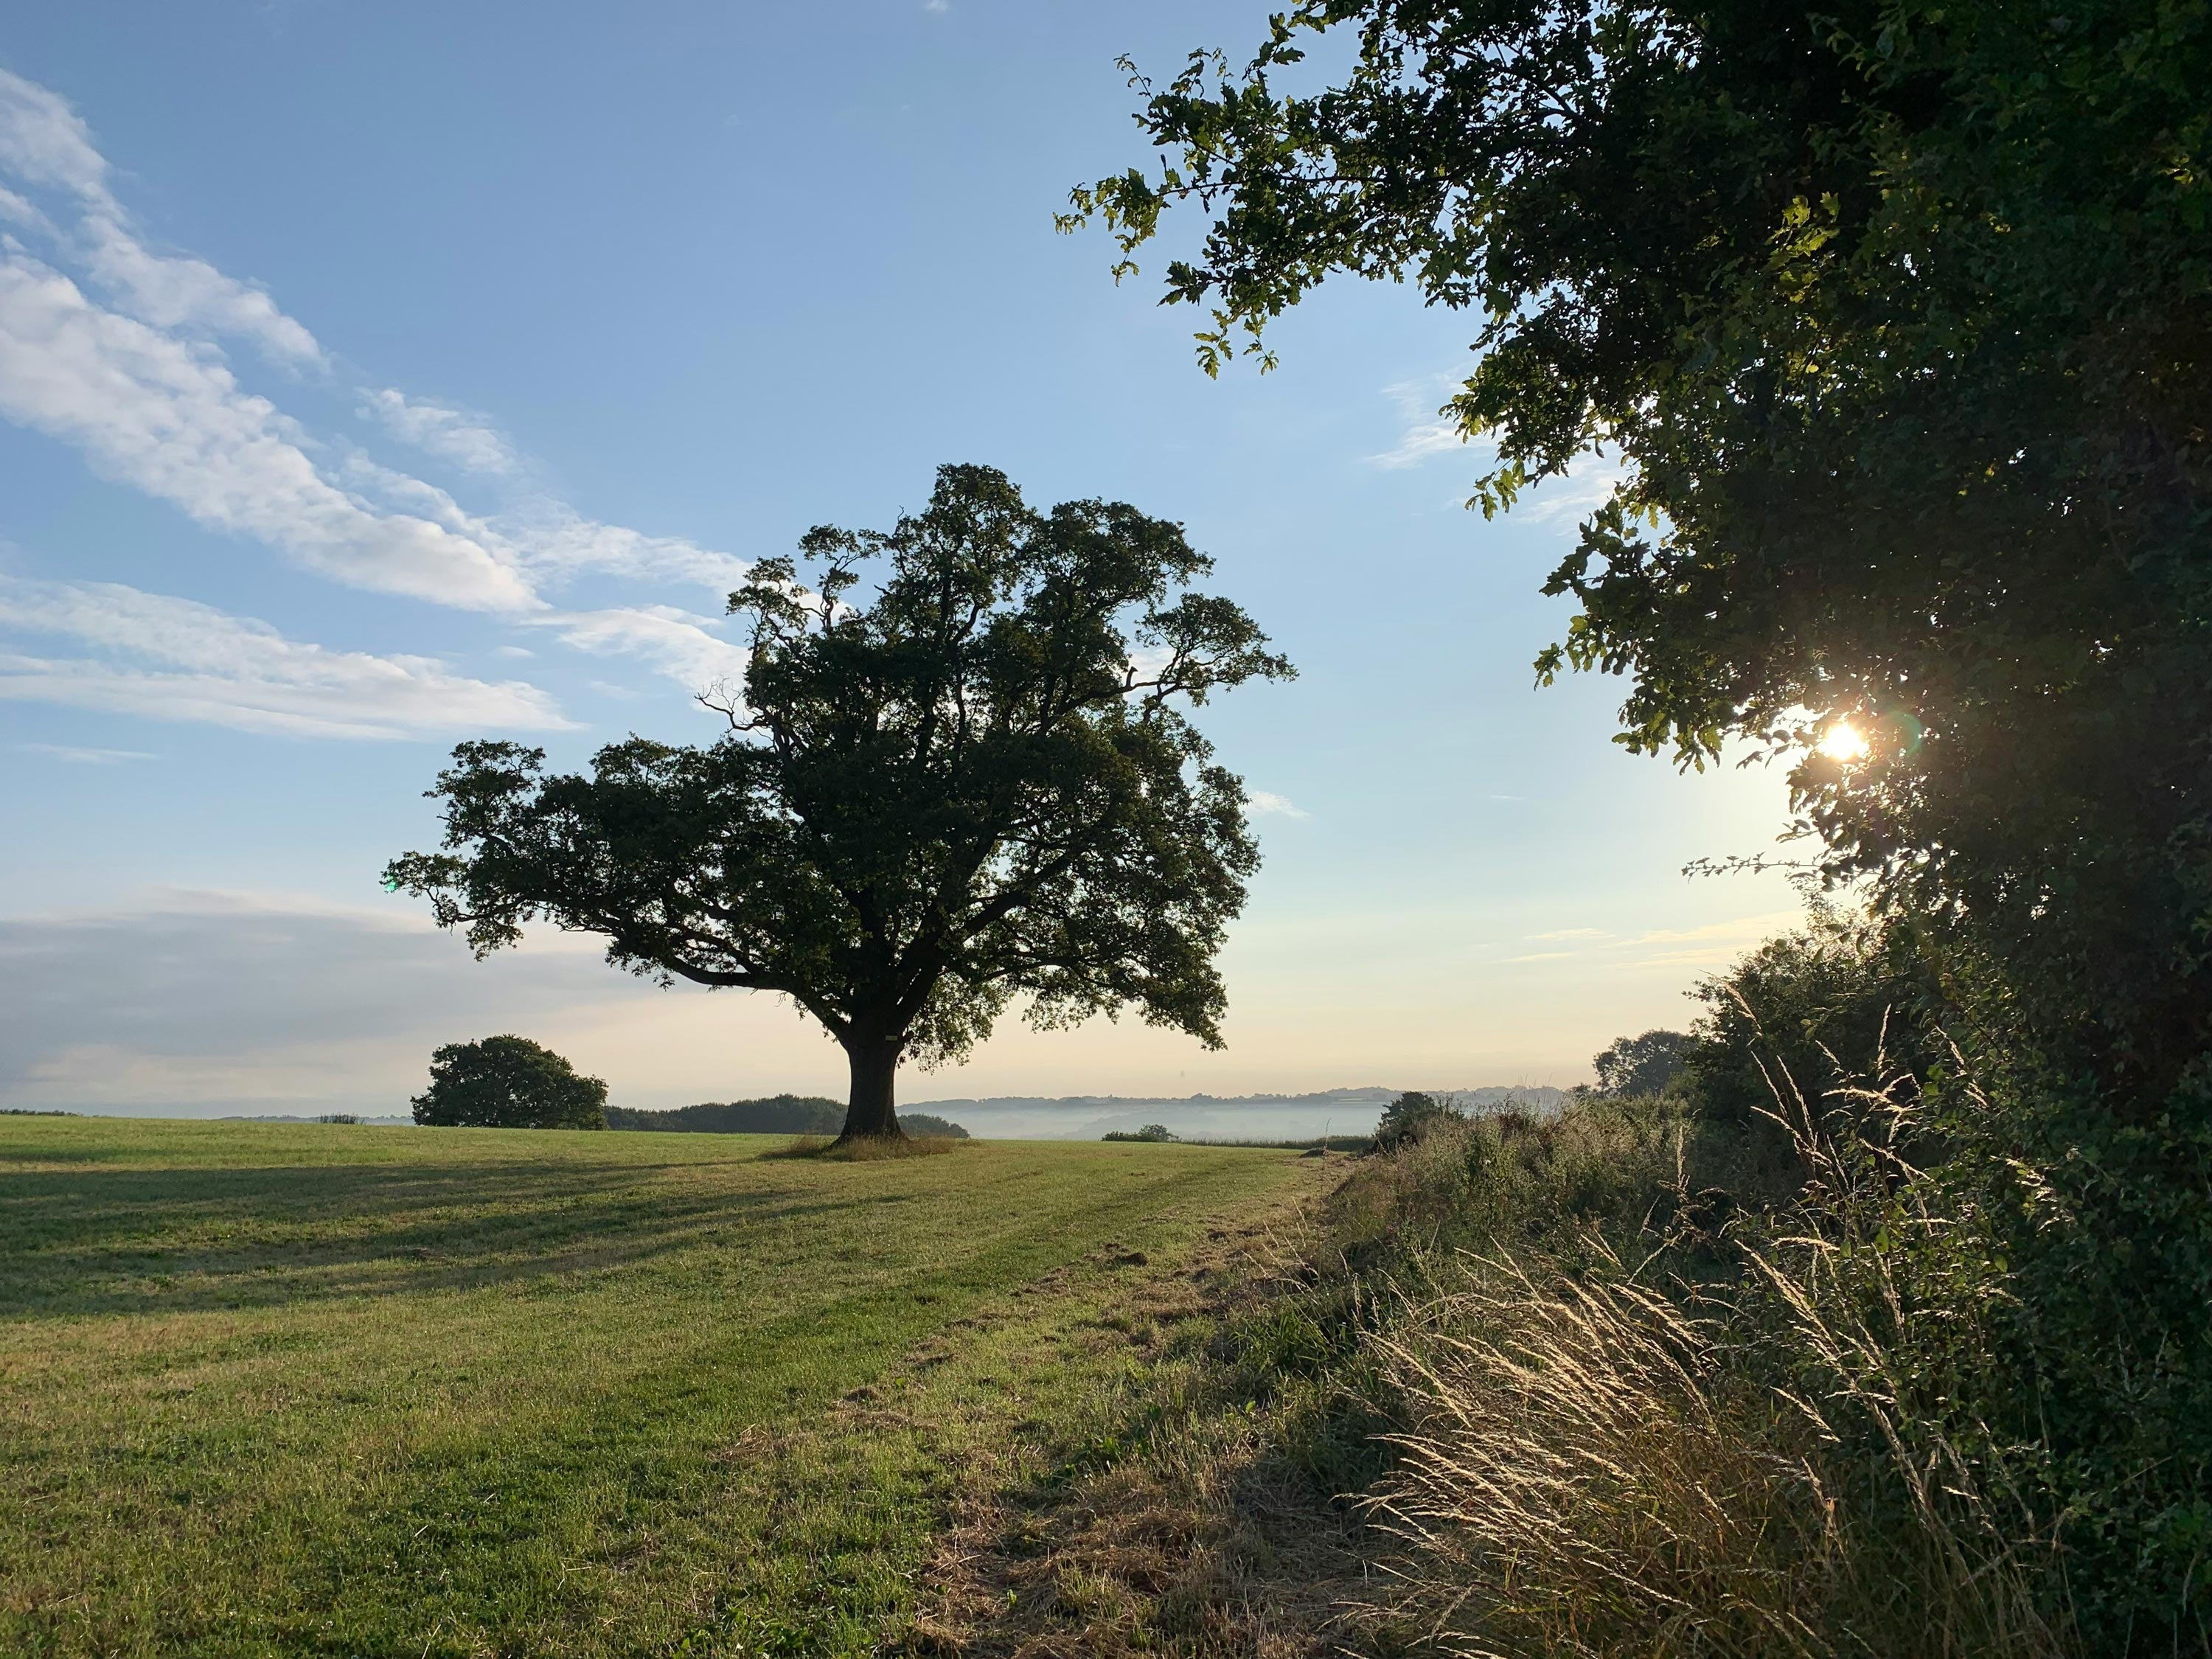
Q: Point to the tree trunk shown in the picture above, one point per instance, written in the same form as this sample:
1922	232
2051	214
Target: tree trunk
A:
868	1110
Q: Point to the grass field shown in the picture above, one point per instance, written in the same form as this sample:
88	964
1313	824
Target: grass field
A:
343	1390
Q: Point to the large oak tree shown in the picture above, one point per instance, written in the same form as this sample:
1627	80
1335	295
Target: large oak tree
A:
977	782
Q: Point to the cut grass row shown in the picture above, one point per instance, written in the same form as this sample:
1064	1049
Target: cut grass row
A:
320	1390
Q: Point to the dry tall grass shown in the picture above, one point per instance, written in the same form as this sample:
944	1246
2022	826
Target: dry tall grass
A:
1582	1479
1601	1460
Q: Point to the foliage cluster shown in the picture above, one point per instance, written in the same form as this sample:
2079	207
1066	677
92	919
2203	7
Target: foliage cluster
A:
1649	1379
1645	1065
1150	1131
509	1083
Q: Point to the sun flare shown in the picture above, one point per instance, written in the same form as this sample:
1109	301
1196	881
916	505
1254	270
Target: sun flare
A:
1843	742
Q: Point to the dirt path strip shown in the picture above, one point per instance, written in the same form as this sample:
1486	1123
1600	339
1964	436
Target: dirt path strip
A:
1153	1518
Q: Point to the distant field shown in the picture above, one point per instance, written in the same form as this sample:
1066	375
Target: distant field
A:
275	1388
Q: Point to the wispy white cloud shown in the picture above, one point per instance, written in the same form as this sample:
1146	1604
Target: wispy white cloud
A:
1711	945
1426	431
678	643
552	539
1585	487
469	441
17	212
76	755
46	143
137	380
1708	947
154	657
1267	800
150	411
171	292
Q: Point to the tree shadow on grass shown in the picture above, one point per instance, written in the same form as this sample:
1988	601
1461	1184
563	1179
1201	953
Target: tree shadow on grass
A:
89	1241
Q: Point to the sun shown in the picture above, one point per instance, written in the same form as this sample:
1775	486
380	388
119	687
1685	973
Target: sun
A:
1843	743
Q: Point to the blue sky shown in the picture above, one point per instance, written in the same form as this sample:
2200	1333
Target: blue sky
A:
372	377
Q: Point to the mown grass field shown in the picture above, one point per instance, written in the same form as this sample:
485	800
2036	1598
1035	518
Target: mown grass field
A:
341	1390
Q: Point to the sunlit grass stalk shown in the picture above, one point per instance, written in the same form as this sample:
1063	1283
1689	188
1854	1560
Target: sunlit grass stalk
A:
1599	1464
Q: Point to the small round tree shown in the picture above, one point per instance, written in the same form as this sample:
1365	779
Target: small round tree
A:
509	1082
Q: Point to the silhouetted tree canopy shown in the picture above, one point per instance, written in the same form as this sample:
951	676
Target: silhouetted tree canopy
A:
774	1115
1894	316
509	1083
1640	1065
980	782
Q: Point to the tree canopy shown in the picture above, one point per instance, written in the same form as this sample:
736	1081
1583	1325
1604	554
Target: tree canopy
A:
1642	1064
509	1083
978	782
775	1115
1894	315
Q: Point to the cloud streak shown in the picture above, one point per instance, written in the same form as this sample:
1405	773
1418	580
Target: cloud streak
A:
76	755
468	441
150	411
46	143
153	657
1428	429
115	348
677	643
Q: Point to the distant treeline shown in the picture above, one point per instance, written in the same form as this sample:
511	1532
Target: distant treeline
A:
778	1114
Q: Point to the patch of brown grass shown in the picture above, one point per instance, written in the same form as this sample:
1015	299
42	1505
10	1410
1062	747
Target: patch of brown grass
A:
1197	1542
1208	1550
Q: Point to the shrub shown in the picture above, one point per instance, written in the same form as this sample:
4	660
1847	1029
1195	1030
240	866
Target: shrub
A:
1413	1117
509	1082
1846	997
1150	1131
